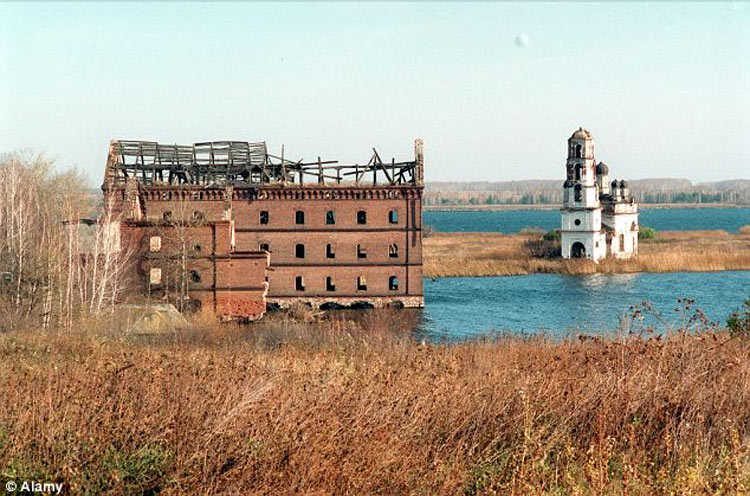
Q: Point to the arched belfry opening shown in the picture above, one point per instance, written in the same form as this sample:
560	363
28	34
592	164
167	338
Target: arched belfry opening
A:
579	151
578	191
577	250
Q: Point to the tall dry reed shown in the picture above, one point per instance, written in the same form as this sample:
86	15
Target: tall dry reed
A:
490	254
344	408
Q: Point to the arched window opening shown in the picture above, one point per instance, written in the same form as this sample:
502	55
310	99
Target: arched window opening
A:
622	242
329	251
361	283
393	283
195	276
579	151
361	252
299	217
361	217
330	218
393	217
167	215
578	193
578	172
330	286
299	283
299	250
265	247
393	251
198	215
264	217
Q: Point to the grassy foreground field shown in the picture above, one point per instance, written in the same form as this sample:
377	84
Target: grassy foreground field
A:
339	408
491	254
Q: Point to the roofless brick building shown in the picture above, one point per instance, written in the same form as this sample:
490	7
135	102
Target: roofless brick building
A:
228	226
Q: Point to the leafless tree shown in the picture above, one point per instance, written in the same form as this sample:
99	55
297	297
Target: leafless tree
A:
178	249
47	271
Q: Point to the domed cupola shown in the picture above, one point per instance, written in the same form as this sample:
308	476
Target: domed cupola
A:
602	178
581	134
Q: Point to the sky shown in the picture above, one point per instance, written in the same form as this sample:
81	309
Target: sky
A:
494	89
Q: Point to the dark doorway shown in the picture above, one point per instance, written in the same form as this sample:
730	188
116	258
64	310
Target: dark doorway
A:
577	250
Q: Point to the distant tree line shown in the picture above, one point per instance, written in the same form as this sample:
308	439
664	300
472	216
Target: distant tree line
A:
543	192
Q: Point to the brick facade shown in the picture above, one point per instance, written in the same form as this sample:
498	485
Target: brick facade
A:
196	260
330	245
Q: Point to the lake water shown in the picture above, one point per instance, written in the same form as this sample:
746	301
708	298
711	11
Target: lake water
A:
661	219
466	307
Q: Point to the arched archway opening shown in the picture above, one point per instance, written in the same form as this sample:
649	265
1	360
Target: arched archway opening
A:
579	151
578	250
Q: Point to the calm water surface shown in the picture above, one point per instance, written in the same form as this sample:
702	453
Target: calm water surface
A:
466	307
661	219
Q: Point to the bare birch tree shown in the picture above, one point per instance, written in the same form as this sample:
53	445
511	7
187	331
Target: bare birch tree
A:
46	270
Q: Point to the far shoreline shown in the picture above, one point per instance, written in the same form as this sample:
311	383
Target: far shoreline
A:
487	254
513	207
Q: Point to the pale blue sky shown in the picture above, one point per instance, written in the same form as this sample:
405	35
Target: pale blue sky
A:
664	87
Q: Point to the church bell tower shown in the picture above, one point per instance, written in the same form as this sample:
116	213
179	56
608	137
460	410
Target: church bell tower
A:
581	213
581	172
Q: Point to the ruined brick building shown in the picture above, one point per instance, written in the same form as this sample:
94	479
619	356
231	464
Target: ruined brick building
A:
229	226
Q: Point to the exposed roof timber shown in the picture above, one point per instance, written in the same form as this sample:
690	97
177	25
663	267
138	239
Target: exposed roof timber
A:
238	163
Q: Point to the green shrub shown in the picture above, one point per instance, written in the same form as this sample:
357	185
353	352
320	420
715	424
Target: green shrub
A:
546	246
133	472
739	322
646	233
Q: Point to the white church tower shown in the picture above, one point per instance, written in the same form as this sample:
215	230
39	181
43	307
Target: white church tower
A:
597	220
582	235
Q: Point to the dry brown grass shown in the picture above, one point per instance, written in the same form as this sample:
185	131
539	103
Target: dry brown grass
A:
330	409
491	254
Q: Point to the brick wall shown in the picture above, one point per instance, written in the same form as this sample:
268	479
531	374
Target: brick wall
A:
231	284
378	236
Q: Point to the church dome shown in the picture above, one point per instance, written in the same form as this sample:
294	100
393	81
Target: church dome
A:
602	169
581	134
623	184
615	184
